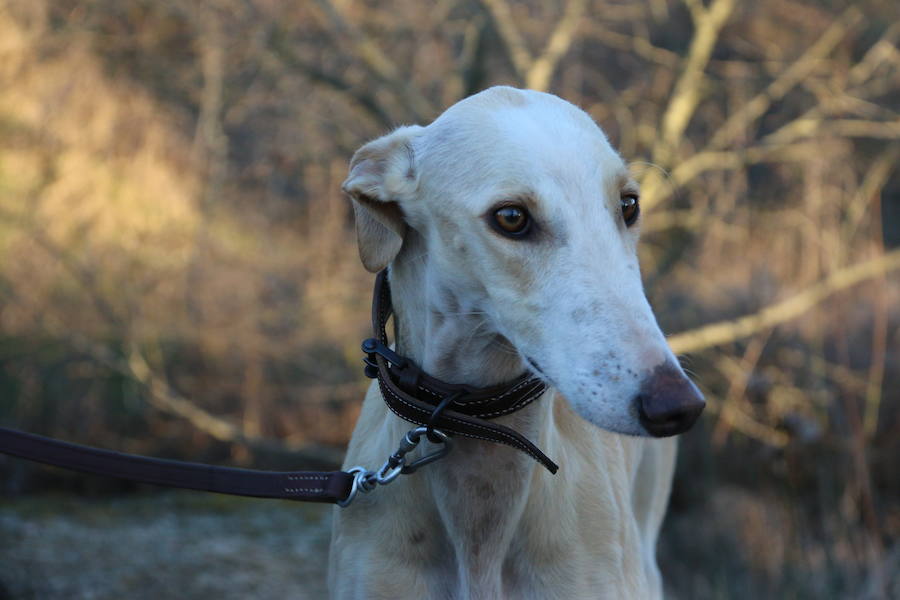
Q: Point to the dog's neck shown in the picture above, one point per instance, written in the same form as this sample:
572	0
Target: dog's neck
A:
481	488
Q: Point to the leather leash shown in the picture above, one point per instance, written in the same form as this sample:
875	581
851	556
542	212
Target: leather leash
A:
440	409
309	486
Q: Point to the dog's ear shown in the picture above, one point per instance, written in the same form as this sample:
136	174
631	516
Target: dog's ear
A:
382	174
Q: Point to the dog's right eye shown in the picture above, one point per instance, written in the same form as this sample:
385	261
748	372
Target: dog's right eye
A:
631	208
511	220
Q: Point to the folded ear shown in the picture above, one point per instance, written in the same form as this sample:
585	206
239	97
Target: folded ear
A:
382	174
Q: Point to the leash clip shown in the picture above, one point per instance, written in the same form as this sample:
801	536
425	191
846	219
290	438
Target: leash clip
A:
412	437
365	481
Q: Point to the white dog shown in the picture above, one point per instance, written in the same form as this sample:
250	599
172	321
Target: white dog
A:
509	226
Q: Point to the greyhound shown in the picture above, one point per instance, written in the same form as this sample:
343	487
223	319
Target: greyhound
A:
509	227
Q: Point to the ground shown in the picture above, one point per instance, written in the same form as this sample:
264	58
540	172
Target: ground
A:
737	545
169	545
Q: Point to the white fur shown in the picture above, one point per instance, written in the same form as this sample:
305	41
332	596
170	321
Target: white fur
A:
473	306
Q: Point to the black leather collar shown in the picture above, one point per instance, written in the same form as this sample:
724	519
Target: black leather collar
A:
453	408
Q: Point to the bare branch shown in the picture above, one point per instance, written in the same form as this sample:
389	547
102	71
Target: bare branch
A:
639	45
163	398
536	72
809	122
859	128
696	8
509	33
291	59
210	144
467	75
812	123
869	190
752	428
883	50
541	71
878	352
378	62
780	312
737	388
787	80
686	94
738	159
805	127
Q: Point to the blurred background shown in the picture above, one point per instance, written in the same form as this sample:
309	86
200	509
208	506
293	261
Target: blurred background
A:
179	276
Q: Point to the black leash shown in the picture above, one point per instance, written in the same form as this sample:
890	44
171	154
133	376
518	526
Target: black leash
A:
309	486
440	409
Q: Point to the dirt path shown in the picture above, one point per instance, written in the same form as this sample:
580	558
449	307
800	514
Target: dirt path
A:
172	545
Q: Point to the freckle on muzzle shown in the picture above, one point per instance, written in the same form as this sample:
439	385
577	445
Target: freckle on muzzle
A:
668	402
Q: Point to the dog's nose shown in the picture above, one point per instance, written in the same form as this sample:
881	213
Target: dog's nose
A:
668	402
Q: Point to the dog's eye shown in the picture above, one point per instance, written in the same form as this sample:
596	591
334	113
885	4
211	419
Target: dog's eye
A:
631	208
512	220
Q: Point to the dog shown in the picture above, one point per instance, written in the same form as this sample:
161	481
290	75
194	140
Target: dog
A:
509	226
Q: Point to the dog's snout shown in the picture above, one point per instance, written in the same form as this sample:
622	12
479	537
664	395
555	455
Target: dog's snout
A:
668	402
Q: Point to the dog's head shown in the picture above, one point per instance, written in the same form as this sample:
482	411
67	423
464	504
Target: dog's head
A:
524	205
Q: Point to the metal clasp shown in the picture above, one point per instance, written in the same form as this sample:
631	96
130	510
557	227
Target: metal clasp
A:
365	481
444	446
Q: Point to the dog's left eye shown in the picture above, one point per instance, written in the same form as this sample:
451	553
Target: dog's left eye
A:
631	208
511	220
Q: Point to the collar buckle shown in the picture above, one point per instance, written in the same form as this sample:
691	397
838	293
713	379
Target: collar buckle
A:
371	347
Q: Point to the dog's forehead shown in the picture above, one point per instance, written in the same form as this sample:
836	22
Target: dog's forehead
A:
517	140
